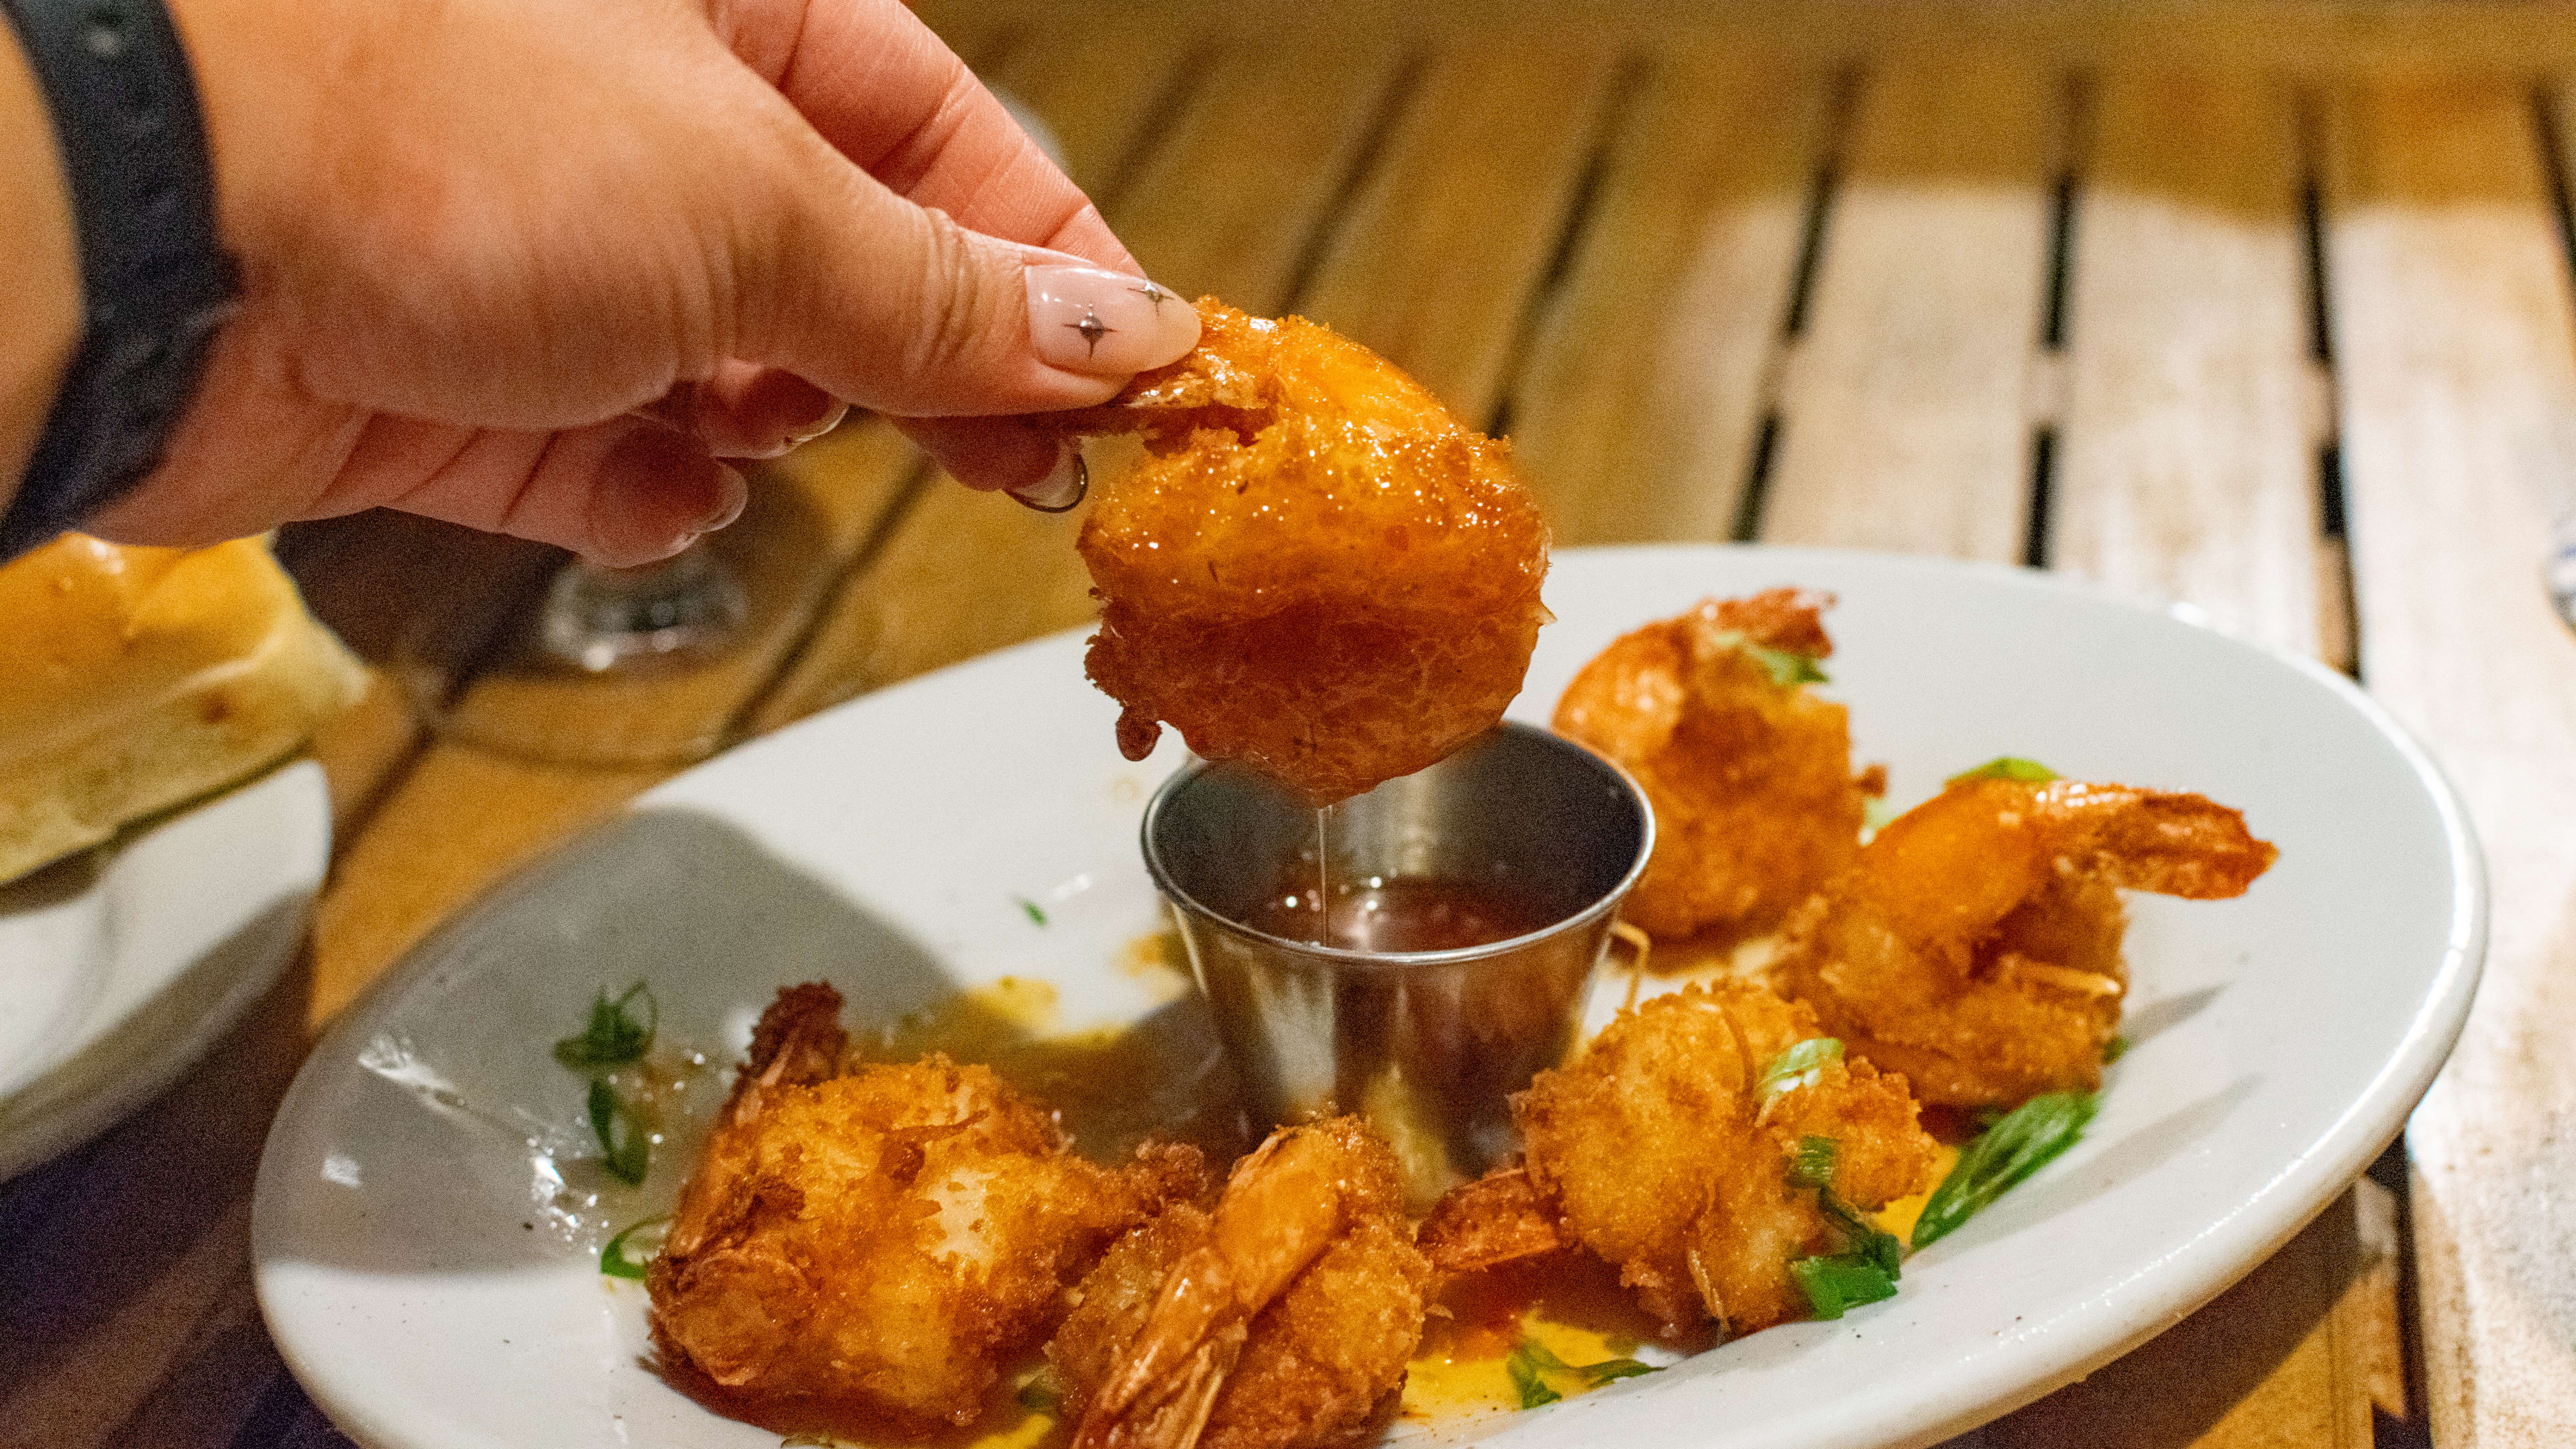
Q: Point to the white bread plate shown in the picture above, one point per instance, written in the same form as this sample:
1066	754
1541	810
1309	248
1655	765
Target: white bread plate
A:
159	861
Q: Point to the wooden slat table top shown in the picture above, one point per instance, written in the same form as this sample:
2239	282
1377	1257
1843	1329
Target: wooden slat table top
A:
2265	307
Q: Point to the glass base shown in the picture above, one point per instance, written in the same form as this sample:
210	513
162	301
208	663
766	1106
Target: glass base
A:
595	619
569	679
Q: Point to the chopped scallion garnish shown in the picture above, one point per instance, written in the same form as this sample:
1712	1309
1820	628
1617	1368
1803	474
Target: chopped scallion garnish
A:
1843	1281
2115	1049
1788	668
1594	1375
1533	1390
1866	1240
614	1036
613	1259
1036	913
1532	1361
1813	1166
2007	767
1863	1242
2020	1143
1800	1066
626	1148
1039	1396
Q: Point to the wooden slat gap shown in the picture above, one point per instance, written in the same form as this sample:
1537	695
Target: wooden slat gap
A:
1608	124
2338	604
2072	145
2043	482
1839	106
1383	122
924	475
1179	89
2044	385
1824	184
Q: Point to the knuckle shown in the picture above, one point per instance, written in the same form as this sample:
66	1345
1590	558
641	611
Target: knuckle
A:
955	301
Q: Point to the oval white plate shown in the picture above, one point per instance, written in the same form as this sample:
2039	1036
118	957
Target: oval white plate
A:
434	1287
120	967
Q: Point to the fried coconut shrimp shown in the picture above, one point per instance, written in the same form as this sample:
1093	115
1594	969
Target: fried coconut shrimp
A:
1285	1317
1501	1217
881	1240
1975	944
1748	771
1316	570
1661	1150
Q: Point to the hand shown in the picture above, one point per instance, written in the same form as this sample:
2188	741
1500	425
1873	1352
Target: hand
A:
535	265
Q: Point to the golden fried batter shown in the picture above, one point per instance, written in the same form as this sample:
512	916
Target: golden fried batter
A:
1663	1156
1975	944
1499	1218
1316	570
1283	1318
881	1240
1748	771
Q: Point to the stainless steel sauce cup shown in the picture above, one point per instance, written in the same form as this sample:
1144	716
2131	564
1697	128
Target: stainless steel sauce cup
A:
1427	1044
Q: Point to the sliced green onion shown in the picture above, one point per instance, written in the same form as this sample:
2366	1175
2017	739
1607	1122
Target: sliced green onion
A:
2116	1048
1039	1396
1800	1066
627	1155
1524	1371
1594	1375
1789	669
2021	1143
614	1037
1813	1165
2007	767
1030	908
1863	1238
613	1260
1844	1281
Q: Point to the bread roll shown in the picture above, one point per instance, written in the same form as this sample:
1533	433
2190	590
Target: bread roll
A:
135	679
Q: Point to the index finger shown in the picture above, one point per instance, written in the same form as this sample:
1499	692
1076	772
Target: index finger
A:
891	96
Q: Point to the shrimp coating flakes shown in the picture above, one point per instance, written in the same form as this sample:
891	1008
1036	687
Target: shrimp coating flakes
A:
1499	1218
1975	943
1316	570
881	1240
1665	1156
1748	770
1284	1317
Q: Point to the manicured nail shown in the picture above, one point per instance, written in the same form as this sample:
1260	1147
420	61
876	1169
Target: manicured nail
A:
732	493
1103	324
1061	490
827	422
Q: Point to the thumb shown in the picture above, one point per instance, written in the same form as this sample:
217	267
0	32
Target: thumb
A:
898	308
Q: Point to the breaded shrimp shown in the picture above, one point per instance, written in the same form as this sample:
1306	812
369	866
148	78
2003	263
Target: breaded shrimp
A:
1317	570
1499	1218
1975	944
881	1240
1283	1318
1664	1156
1748	770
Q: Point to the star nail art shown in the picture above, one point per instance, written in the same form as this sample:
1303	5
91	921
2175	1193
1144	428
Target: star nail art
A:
1092	330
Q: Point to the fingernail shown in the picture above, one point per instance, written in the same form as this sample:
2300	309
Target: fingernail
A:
1061	489
732	492
1102	323
821	425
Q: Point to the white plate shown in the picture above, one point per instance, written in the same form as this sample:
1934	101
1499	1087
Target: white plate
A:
434	1290
119	967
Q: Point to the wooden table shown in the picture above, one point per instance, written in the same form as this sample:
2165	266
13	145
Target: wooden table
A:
2265	307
